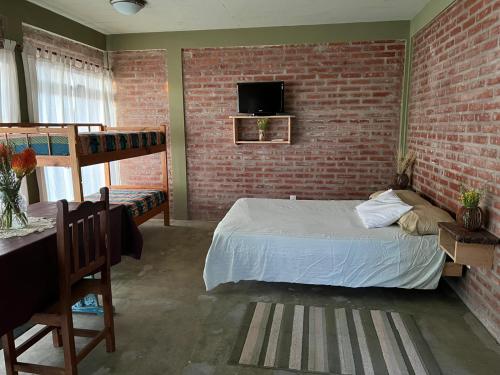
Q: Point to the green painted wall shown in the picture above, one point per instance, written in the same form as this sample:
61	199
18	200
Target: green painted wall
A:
17	12
174	42
428	13
405	96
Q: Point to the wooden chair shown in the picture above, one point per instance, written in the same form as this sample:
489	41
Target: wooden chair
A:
82	250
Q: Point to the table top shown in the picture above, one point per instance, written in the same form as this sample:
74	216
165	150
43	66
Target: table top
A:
461	234
41	209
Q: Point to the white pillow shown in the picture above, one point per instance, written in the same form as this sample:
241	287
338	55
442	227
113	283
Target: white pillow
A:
383	210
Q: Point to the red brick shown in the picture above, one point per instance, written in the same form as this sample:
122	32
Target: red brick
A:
344	135
460	147
140	79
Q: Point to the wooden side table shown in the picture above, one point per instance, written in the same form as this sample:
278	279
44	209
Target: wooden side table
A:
466	248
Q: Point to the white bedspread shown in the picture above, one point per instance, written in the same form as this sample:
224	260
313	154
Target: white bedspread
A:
317	242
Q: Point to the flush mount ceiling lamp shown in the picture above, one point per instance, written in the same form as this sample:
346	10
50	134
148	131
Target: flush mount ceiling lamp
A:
128	7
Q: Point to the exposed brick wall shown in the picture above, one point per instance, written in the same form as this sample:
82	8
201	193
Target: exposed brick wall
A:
66	47
346	97
454	125
141	100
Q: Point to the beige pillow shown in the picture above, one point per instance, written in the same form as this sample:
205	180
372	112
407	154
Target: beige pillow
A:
409	197
423	219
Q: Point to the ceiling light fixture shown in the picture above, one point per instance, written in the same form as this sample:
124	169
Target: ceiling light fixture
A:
128	7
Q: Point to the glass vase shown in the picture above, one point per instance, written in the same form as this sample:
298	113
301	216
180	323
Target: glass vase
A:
400	181
13	209
471	218
262	135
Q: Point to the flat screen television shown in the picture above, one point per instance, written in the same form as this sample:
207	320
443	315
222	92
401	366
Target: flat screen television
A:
261	98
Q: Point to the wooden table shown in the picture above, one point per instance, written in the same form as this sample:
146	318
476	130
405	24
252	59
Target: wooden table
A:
28	265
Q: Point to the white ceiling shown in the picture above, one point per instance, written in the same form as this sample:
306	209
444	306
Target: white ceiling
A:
180	15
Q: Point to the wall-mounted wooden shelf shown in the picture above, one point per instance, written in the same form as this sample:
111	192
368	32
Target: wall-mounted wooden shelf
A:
237	122
263	142
465	248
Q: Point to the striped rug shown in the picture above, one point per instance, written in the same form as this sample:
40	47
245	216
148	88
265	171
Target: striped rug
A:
332	341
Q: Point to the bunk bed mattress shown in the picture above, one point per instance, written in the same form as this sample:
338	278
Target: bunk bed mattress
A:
137	202
89	143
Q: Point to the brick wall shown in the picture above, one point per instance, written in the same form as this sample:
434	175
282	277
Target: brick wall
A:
346	97
66	47
454	125
141	99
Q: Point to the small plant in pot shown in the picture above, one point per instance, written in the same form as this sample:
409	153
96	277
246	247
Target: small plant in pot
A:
262	125
469	215
404	164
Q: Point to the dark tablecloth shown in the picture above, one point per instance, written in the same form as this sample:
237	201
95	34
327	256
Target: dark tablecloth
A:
28	265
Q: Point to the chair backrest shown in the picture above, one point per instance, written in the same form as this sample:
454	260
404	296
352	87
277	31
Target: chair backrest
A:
82	239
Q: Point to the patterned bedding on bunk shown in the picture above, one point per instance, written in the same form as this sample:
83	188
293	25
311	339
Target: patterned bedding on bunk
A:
90	143
137	202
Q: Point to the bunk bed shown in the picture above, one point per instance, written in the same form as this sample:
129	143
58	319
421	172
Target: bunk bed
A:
78	145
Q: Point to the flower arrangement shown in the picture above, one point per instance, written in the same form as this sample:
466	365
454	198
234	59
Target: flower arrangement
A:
262	125
13	168
470	215
469	197
405	162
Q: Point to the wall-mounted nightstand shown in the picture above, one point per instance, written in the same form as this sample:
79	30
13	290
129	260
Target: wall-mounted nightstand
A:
466	248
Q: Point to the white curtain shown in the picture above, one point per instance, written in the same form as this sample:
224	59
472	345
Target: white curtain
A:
61	92
9	90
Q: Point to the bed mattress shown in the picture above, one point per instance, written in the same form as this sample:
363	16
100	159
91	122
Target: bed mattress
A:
89	143
137	202
317	242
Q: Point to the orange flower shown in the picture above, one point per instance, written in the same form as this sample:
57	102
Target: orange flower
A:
24	163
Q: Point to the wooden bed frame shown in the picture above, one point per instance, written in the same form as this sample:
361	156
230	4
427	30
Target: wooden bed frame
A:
75	160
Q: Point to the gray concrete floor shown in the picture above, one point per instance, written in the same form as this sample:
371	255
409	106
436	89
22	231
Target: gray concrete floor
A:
167	324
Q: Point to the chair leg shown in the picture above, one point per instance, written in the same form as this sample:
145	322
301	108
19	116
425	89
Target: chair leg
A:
68	341
9	352
108	311
56	337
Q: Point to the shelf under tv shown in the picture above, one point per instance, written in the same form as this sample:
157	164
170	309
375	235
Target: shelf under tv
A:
263	142
258	116
240	117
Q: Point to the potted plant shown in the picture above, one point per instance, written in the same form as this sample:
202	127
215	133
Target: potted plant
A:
13	168
262	125
469	215
404	164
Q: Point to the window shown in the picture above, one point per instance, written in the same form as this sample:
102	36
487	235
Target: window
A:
59	91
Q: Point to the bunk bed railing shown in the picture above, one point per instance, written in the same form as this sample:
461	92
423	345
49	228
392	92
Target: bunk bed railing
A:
76	159
11	131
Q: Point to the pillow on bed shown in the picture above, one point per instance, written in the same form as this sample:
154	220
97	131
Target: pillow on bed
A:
423	219
408	196
382	211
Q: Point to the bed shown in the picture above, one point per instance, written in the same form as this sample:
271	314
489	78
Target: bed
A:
78	145
320	243
89	143
140	205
